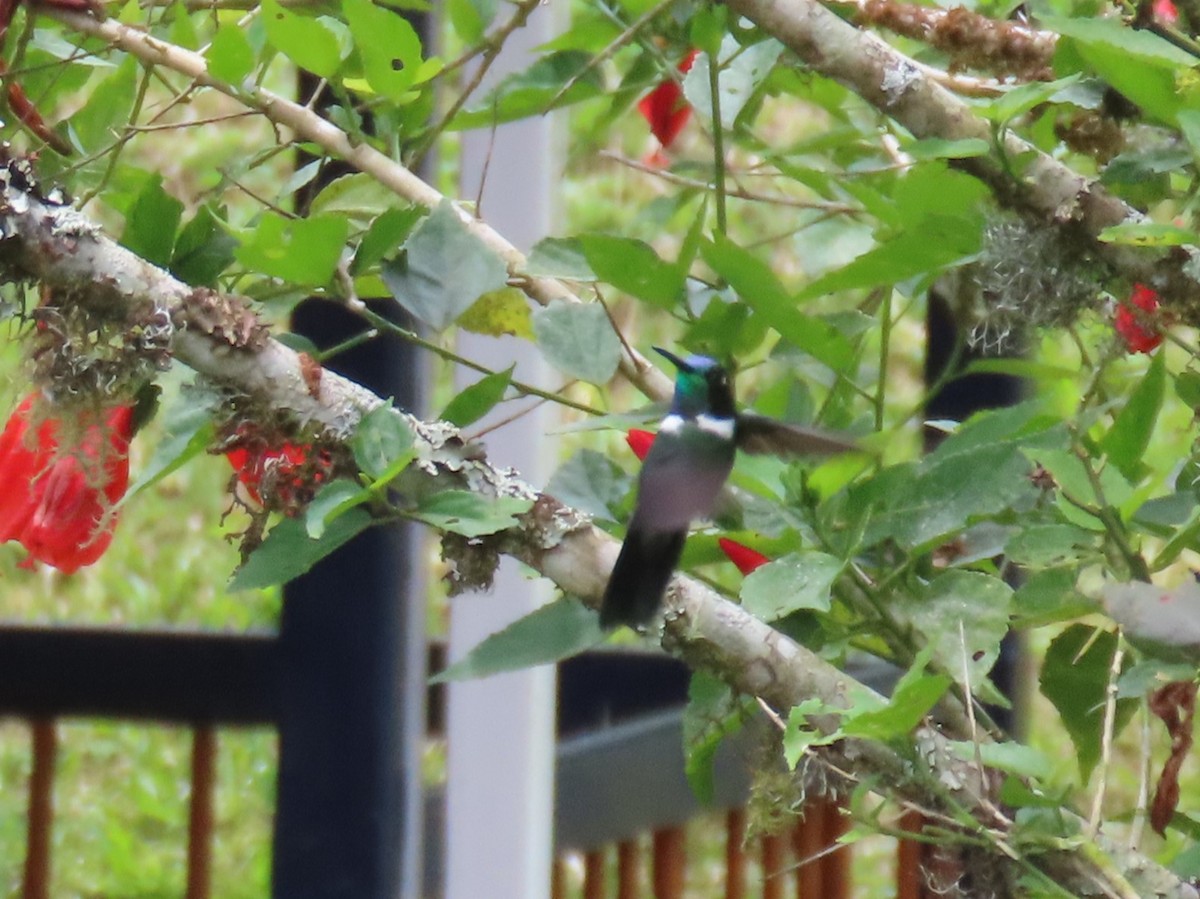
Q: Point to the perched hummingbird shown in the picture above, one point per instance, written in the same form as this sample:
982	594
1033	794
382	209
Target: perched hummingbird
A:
681	477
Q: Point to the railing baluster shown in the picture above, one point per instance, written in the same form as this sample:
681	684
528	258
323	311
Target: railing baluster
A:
628	870
593	874
735	854
40	821
773	864
670	863
807	841
200	813
909	855
835	867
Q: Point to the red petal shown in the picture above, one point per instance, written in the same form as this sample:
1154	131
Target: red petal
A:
665	109
252	465
1138	337
18	466
639	441
745	558
63	516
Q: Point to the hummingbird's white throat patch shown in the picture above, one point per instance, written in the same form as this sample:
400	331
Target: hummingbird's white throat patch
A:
709	424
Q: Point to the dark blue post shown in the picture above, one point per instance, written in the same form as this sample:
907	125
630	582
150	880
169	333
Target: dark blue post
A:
352	672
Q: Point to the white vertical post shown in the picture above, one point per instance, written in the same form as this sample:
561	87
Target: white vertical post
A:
500	730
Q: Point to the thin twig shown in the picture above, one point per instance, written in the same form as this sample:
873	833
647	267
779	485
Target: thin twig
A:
1110	717
1143	793
737	192
309	126
495	44
616	44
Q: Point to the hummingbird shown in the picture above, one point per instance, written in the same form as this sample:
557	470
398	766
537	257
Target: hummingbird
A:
683	474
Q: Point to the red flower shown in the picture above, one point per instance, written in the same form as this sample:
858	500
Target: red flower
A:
639	441
59	503
1139	338
665	109
745	558
277	466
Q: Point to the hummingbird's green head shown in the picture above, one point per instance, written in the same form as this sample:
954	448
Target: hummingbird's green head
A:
701	386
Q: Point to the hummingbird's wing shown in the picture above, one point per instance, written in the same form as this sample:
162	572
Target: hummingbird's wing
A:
759	435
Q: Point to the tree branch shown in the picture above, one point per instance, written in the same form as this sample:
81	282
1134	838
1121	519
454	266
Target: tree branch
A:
42	240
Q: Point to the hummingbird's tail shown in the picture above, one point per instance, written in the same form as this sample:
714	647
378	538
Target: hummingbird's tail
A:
640	576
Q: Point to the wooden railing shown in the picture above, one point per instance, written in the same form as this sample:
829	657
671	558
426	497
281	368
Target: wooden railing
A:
624	806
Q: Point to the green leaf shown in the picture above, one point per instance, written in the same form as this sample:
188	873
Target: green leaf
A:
913	696
385	234
591	482
1145	165
1076	683
1189	126
444	269
530	92
927	247
578	340
187	432
707	27
1011	756
979	470
389	45
799	734
633	266
1127	439
1019	100
499	312
151	223
758	287
288	551
108	106
1148	234
1187	387
381	438
741	72
230	56
356	196
334	499
476	401
943	148
964	615
1049	596
797	581
949	493
203	250
470	18
713	712
1152	674
306	41
1072	479
1047	545
471	514
1142	66
559	257
300	251
555	631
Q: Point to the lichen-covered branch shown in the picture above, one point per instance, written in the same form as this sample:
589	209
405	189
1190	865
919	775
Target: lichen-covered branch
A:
1045	187
217	335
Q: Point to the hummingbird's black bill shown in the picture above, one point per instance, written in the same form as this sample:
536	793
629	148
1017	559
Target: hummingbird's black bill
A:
672	358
